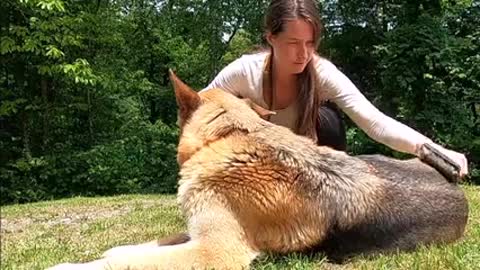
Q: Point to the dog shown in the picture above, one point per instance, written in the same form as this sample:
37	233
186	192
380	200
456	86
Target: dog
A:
248	187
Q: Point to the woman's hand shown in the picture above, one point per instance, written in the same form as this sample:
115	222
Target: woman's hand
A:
456	157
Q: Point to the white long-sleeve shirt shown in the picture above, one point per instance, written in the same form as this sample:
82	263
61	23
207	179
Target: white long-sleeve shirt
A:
244	77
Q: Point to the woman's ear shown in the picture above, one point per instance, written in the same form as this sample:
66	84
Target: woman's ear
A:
269	37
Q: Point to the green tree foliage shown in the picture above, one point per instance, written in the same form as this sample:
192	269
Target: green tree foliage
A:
86	107
418	62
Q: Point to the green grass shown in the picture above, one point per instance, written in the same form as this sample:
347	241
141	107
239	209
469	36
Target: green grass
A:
38	235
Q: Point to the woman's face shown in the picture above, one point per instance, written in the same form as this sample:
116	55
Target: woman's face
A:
294	47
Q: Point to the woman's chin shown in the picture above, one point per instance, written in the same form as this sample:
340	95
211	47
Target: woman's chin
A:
298	68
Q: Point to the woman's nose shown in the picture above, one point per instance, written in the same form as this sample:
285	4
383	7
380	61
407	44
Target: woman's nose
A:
303	51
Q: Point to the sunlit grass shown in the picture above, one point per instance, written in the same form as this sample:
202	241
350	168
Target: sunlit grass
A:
38	235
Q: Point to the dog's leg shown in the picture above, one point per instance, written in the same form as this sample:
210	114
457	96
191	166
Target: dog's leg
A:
195	254
217	242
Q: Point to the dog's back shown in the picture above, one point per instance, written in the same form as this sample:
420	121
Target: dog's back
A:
420	207
376	203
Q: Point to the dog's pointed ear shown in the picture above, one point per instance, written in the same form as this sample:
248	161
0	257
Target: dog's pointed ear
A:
188	100
259	109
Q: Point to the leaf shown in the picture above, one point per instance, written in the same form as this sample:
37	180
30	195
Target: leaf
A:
30	45
7	45
427	76
9	107
43	69
53	52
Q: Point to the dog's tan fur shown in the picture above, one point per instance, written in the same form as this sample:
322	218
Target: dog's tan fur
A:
248	187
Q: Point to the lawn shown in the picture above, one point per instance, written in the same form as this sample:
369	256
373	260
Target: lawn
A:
38	235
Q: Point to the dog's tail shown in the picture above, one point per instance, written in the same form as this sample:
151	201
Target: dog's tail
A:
175	239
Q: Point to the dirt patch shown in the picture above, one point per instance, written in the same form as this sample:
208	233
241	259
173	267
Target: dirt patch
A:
51	216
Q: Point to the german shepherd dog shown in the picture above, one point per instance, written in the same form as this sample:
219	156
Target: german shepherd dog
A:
248	187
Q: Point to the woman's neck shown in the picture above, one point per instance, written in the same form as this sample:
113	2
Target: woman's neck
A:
282	73
284	87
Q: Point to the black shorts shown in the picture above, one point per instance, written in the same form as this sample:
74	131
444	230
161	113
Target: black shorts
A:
330	127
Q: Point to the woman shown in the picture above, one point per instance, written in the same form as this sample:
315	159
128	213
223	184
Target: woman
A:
296	83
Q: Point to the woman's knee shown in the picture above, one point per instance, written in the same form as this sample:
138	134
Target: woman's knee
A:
330	127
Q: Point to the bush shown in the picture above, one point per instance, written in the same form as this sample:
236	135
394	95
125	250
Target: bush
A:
144	161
